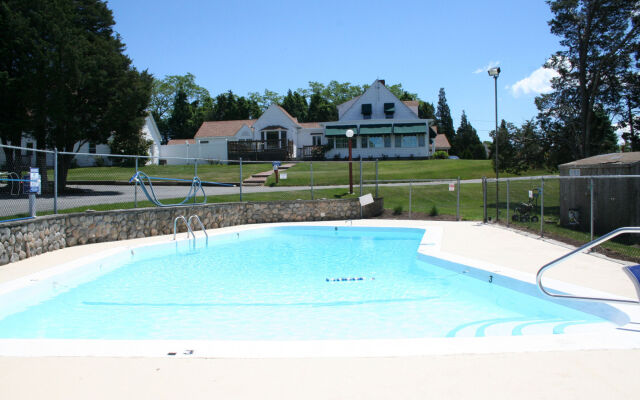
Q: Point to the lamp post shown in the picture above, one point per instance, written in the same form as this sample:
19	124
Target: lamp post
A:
349	134
495	72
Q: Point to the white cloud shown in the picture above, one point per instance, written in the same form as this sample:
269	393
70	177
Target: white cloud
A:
492	64
538	82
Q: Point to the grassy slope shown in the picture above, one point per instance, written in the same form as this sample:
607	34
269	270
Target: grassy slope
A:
206	172
337	173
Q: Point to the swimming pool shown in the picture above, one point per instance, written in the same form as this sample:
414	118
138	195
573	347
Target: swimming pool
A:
285	284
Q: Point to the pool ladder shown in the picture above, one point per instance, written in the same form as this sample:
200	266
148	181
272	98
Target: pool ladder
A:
588	246
189	229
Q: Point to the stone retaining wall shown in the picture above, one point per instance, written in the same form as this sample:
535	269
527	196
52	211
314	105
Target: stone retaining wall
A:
22	239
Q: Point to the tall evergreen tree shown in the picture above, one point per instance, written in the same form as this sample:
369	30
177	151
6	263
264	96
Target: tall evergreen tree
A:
320	110
426	110
598	39
443	116
179	122
75	95
466	142
296	105
506	151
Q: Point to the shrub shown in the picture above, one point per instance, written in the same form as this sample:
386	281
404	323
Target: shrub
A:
434	211
440	155
397	210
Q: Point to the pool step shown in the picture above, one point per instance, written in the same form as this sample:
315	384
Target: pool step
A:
525	327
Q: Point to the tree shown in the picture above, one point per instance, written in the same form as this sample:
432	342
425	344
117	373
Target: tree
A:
179	123
17	70
127	136
466	141
528	147
296	105
402	94
164	94
506	153
228	106
321	110
165	90
77	74
598	37
265	100
426	110
443	117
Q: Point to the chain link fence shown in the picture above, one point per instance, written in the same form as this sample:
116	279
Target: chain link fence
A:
572	209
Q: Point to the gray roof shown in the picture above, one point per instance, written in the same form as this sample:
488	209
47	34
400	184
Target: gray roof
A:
606	159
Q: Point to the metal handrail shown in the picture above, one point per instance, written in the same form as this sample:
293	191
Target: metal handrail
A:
201	226
587	246
175	224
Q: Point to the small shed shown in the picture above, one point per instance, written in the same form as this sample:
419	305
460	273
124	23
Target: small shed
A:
616	201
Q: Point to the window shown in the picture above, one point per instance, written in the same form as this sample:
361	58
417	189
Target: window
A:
92	148
389	109
206	141
374	142
317	140
387	141
342	142
421	140
406	141
331	142
366	111
363	142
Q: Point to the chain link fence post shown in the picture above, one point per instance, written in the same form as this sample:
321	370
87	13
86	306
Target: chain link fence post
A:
195	174
311	173
591	208
458	200
542	207
360	175
240	178
410	182
508	220
377	178
55	181
484	199
135	187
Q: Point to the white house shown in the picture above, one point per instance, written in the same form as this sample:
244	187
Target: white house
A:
384	127
149	130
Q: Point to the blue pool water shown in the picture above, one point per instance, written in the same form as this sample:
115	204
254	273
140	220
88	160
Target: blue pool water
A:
285	283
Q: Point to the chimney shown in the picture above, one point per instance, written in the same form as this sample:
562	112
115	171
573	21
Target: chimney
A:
382	81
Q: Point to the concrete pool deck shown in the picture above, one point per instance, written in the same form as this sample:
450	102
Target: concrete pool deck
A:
581	374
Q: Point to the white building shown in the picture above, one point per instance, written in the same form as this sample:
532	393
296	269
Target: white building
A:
384	127
149	130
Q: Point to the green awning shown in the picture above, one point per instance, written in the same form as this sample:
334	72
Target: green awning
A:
384	129
339	130
409	129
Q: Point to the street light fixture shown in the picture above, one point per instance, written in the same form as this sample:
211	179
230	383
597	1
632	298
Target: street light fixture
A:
495	72
349	134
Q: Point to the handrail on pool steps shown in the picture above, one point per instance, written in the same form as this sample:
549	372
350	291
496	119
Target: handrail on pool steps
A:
633	272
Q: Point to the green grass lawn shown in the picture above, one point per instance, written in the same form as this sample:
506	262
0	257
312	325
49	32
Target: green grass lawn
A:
206	172
324	172
337	173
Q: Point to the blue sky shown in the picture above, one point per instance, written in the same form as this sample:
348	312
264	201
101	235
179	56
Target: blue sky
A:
250	46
